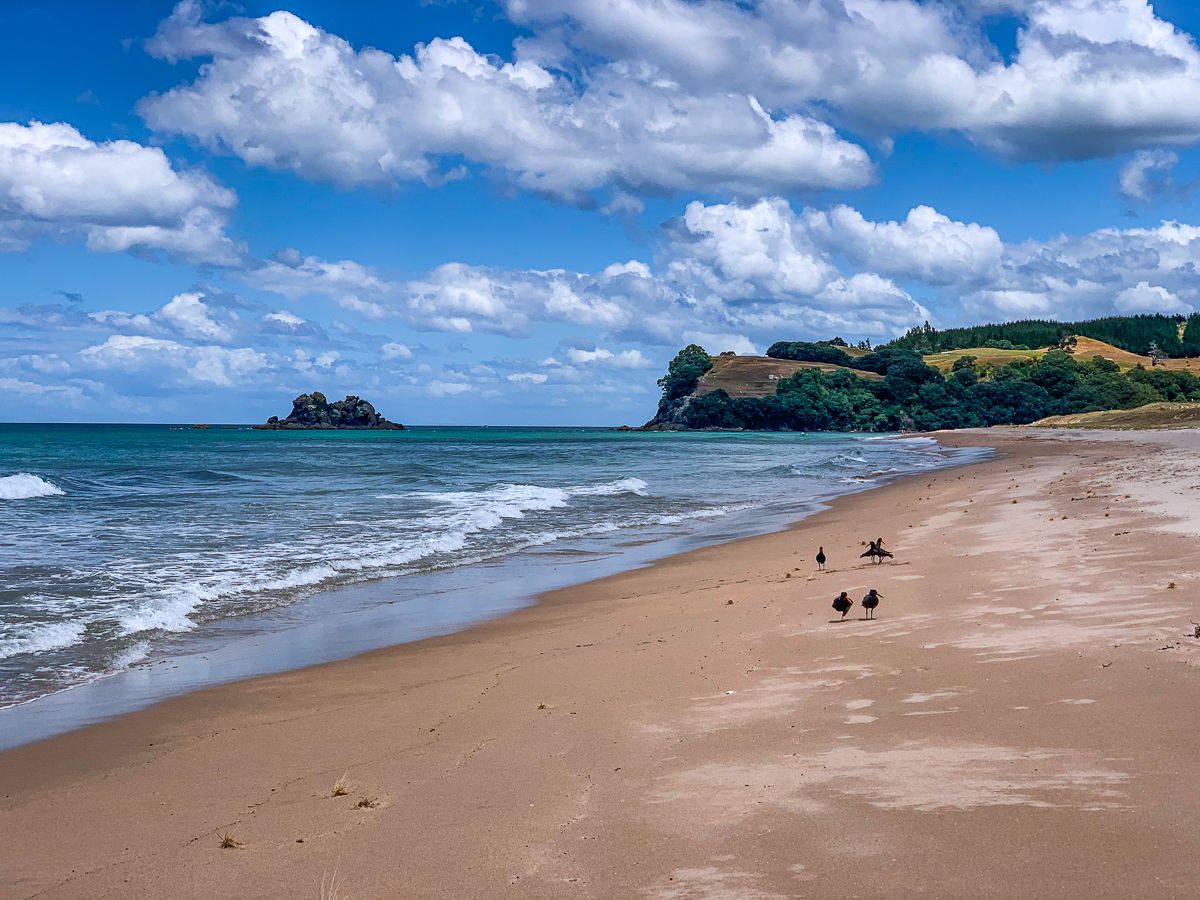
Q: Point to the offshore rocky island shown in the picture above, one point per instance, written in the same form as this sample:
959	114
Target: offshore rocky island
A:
314	411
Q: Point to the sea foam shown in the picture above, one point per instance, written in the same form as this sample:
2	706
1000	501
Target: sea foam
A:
40	638
24	486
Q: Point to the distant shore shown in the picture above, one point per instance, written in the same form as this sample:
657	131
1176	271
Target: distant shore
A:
1017	722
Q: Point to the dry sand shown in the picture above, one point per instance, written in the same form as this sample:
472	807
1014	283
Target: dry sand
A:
1021	720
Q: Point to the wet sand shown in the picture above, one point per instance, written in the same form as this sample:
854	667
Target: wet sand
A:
1020	720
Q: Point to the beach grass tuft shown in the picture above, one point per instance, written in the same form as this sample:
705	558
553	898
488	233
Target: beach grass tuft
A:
341	787
330	890
229	842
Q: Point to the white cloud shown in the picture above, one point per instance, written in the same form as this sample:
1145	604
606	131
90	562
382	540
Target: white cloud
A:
203	364
283	317
350	284
528	377
302	361
625	359
41	363
396	351
762	268
1089	77
1088	275
578	357
1147	174
117	195
1145	297
281	93
743	252
446	388
188	315
60	393
926	245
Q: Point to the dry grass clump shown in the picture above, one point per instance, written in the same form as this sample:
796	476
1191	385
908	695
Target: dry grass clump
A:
367	803
341	787
229	842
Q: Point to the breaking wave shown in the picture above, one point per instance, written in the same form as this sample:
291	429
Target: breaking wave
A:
24	486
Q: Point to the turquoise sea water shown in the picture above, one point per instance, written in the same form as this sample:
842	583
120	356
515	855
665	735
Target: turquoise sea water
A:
119	542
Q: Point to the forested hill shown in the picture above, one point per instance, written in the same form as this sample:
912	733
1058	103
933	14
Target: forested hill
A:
1173	336
894	389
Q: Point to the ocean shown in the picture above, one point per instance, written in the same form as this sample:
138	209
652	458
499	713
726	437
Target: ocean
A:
126	545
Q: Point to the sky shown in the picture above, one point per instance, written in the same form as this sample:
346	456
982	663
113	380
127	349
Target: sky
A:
517	212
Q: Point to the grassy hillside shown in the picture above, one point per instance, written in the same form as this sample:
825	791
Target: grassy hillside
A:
1085	348
1152	415
984	356
758	376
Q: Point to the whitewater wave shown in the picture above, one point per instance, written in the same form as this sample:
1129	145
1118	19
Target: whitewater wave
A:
463	514
131	655
40	638
610	488
846	460
24	486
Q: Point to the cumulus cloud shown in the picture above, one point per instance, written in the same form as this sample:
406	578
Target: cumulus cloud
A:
1145	297
188	315
117	196
1088	78
761	269
279	92
1077	276
926	245
206	364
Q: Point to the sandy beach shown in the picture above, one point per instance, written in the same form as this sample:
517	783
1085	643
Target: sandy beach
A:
1019	721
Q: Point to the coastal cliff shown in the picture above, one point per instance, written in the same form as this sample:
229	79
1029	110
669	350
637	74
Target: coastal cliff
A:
314	411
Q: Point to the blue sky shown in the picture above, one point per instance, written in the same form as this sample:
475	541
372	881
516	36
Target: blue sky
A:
516	212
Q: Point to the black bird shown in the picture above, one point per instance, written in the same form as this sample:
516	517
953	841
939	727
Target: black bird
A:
842	604
871	601
821	559
876	552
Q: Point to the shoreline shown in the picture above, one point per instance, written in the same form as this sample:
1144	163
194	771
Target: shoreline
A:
343	621
696	728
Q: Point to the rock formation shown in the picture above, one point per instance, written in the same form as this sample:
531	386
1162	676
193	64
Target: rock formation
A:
314	411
